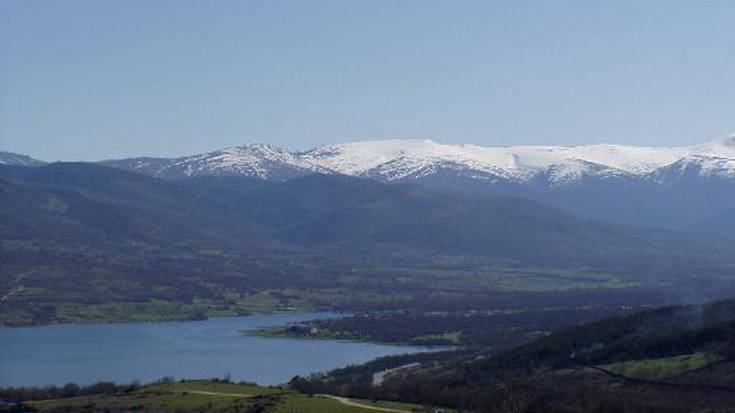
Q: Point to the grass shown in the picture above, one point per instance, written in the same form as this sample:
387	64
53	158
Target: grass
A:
662	368
217	387
391	405
153	310
301	403
491	278
164	398
140	401
203	395
261	302
549	279
450	337
59	295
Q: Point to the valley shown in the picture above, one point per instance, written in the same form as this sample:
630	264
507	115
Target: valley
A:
631	362
88	243
367	206
531	304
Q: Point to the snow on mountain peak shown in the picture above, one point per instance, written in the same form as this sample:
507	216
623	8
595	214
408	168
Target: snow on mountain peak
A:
572	170
518	162
257	160
405	159
359	157
699	165
397	159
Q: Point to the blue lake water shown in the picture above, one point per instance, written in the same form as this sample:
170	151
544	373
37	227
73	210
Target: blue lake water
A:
85	353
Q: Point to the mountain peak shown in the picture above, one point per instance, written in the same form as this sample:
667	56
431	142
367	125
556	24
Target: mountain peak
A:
259	146
410	159
698	166
16	159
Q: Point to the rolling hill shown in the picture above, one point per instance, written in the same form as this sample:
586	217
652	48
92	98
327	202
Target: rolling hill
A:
670	359
89	203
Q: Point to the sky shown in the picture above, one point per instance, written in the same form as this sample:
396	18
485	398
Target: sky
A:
97	79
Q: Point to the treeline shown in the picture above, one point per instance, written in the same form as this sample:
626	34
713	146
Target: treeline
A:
56	274
20	394
549	375
653	334
485	329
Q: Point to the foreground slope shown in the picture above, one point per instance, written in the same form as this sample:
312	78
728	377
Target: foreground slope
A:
631	363
189	396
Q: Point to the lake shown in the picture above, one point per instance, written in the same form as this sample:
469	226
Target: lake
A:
85	353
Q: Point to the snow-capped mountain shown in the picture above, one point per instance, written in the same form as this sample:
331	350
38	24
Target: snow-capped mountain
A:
626	184
697	166
256	161
9	158
399	160
618	183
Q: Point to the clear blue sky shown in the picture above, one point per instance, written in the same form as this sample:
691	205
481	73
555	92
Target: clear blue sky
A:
85	80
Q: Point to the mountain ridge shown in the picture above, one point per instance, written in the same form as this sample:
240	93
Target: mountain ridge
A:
406	159
615	183
316	212
11	158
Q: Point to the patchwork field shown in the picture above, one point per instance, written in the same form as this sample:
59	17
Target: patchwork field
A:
213	396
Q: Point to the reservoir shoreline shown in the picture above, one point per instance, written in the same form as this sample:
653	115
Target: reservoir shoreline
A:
57	354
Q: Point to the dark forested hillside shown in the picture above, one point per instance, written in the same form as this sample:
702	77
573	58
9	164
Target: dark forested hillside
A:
630	363
328	211
333	211
88	203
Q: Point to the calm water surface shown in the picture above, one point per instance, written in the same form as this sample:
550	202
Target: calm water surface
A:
59	354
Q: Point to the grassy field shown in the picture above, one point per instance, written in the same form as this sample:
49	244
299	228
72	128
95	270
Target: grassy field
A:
300	403
662	368
191	290
451	337
394	405
209	396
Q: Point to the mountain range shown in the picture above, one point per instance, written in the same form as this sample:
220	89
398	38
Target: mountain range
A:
615	183
403	226
87	234
95	206
401	160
